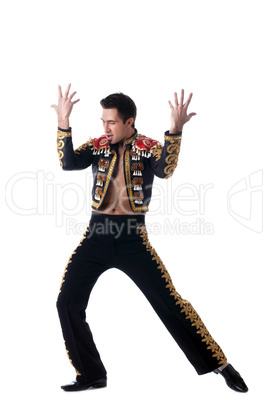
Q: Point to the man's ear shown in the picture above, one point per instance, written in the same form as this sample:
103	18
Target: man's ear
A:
129	122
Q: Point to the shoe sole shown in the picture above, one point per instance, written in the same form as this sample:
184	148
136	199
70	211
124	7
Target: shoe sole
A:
83	387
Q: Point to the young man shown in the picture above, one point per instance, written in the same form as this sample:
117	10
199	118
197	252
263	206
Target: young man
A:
124	164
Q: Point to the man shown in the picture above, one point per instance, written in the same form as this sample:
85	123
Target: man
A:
124	164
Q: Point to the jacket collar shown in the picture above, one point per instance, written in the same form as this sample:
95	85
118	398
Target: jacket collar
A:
127	141
133	137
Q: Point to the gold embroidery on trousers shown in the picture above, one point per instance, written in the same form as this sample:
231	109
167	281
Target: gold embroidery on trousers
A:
67	351
185	306
70	259
63	280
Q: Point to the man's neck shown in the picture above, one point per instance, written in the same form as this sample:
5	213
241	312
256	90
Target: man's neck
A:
122	143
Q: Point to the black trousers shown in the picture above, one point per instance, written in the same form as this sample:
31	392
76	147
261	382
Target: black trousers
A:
121	241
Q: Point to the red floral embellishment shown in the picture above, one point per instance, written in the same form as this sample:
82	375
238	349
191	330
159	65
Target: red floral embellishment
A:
101	142
137	183
137	168
145	143
103	164
101	179
98	193
138	197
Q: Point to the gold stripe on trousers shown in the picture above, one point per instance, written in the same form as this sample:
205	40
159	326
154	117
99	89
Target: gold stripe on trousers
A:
63	280
185	306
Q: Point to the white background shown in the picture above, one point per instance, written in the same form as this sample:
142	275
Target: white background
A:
148	50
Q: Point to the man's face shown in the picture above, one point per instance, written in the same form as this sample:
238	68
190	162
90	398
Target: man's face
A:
114	127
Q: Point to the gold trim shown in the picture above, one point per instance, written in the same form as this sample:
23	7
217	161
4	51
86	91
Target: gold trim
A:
129	185
157	151
60	143
186	307
70	360
143	150
172	138
70	259
109	174
84	146
63	280
133	137
63	134
173	150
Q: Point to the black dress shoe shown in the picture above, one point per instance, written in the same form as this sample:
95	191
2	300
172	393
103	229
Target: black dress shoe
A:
233	378
81	386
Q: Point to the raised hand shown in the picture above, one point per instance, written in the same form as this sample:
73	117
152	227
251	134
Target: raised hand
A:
179	114
64	107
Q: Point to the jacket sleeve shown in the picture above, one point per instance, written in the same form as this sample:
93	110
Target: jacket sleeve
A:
69	159
164	158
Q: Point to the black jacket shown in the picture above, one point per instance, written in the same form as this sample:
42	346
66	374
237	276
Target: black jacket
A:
143	158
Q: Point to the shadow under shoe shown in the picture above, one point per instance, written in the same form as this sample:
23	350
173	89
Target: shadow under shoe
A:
81	385
233	378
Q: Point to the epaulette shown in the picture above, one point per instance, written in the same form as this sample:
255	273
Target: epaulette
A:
143	146
100	145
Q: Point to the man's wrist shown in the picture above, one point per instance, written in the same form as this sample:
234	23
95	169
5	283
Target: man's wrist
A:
69	130
64	123
175	130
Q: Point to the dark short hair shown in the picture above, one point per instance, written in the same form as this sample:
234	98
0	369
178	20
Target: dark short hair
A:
124	104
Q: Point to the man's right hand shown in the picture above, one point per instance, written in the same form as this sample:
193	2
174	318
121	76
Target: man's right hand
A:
64	107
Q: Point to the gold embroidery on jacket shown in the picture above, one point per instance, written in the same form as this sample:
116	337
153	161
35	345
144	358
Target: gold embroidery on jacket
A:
157	151
185	306
109	174
173	150
172	138
84	146
129	185
63	134
132	138
60	143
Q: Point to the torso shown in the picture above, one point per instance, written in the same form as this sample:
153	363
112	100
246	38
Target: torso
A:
116	201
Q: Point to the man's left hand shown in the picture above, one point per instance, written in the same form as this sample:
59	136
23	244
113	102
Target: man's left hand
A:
179	114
